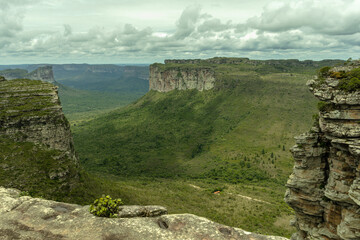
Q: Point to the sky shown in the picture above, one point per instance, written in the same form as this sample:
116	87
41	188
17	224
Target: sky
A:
147	31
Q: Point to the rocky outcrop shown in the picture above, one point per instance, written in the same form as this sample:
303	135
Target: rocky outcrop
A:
36	145
44	73
30	111
165	80
32	218
324	188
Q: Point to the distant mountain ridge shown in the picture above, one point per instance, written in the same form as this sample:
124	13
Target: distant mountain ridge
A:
43	73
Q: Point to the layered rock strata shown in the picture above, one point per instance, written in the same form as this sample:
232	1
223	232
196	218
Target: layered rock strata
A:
30	111
165	80
324	188
31	218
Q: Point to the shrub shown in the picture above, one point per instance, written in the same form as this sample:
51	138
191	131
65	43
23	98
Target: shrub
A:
323	72
324	106
337	75
106	207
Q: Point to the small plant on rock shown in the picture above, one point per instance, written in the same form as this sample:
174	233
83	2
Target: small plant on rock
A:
106	207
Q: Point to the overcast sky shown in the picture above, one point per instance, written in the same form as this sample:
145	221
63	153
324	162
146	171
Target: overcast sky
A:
146	31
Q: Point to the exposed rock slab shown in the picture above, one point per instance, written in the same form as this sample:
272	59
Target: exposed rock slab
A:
31	218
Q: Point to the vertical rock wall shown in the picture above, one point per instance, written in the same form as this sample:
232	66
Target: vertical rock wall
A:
30	111
181	78
324	188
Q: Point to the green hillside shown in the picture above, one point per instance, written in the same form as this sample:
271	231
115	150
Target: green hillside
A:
234	134
177	148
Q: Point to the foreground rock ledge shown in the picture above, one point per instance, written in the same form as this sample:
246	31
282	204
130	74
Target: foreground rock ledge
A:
33	218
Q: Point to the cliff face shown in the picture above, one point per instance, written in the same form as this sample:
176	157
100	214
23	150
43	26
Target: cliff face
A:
36	146
30	111
181	78
44	73
324	188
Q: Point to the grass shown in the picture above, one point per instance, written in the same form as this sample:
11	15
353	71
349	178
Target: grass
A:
231	207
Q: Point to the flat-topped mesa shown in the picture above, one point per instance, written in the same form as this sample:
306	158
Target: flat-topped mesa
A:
44	73
220	72
30	111
324	188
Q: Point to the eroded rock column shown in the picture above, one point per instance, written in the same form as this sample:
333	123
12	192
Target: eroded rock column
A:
324	188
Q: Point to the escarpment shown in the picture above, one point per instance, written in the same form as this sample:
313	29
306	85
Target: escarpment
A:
30	111
219	72
44	73
324	188
36	147
181	78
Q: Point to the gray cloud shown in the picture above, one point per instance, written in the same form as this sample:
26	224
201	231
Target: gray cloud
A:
187	21
285	29
333	17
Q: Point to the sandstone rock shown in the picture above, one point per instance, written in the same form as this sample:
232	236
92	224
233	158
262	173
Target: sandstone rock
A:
31	218
31	111
181	79
324	187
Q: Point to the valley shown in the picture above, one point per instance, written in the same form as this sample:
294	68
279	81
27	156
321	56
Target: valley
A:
179	144
234	138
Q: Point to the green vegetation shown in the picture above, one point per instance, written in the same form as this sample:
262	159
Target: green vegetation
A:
84	104
348	81
212	134
324	106
175	149
234	206
28	167
106	207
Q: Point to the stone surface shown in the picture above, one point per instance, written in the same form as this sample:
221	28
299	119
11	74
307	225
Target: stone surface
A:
324	188
31	218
